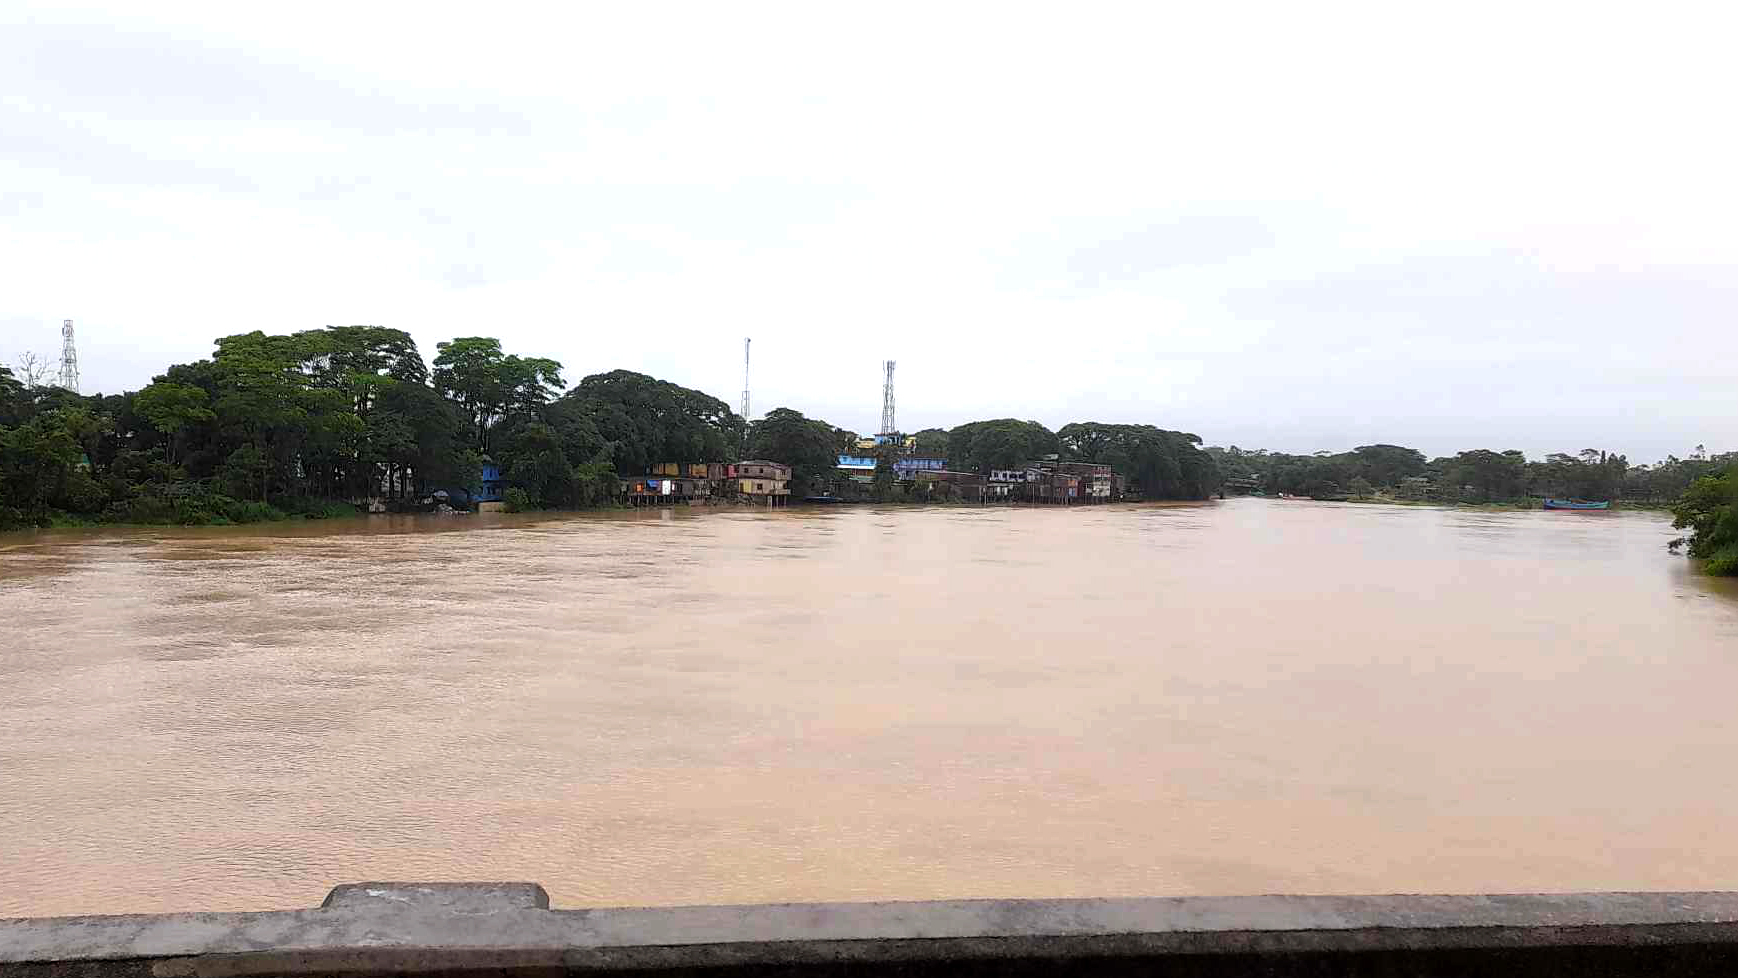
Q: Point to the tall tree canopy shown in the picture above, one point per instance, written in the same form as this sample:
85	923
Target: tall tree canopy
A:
290	420
1386	465
1159	464
488	384
1481	475
1709	510
271	423
1005	443
808	446
1486	474
12	398
932	442
173	408
640	420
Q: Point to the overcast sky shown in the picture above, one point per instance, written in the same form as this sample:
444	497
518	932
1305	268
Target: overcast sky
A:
1300	226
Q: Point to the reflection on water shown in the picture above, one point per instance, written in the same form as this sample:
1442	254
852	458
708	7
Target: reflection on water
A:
856	704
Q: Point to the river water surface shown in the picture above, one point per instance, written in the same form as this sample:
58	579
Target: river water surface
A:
1240	697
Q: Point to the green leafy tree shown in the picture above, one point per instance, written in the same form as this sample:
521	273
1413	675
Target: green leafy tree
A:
489	385
1487	476
439	453
517	500
263	401
36	460
807	446
13	399
1669	478
173	408
1386	465
573	425
298	421
1709	510
640	420
594	483
342	354
1589	474
931	443
883	487
1158	463
1005	443
244	471
533	461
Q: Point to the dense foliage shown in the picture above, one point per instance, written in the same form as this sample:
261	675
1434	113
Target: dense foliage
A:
1002	444
1478	476
489	386
931	443
269	426
1709	510
1158	464
638	421
313	422
811	448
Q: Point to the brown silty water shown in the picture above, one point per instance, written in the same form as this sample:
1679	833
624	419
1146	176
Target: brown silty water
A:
856	704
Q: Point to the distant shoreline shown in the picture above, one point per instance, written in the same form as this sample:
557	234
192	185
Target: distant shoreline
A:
461	518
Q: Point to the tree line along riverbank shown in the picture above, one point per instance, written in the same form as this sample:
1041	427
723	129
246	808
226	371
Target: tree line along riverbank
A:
311	424
316	423
1700	490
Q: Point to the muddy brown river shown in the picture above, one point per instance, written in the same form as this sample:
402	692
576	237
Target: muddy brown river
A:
852	704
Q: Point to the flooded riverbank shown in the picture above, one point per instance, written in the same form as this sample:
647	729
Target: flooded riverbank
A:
844	704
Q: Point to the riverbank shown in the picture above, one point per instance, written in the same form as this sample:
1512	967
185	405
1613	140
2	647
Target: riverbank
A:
220	511
1518	505
1515	505
209	511
1498	507
231	513
342	513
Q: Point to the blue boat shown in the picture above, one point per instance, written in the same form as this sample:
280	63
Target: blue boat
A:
1575	504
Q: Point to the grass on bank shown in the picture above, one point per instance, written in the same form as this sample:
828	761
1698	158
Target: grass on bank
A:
190	509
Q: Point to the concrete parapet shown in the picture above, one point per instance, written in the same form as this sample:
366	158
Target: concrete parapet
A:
508	928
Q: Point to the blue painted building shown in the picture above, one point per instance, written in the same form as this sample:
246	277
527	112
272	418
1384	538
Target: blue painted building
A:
493	484
862	467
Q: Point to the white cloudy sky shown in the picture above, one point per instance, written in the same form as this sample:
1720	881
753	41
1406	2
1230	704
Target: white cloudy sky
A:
1297	226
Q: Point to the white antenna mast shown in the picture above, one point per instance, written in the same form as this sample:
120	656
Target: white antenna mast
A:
745	341
68	358
887	427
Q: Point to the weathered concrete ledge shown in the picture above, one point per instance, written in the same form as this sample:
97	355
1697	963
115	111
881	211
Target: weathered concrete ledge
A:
508	928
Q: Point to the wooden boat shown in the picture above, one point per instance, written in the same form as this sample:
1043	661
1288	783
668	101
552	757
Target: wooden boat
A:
1576	504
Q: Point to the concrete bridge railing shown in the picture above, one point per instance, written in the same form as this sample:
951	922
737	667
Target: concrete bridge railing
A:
508	928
